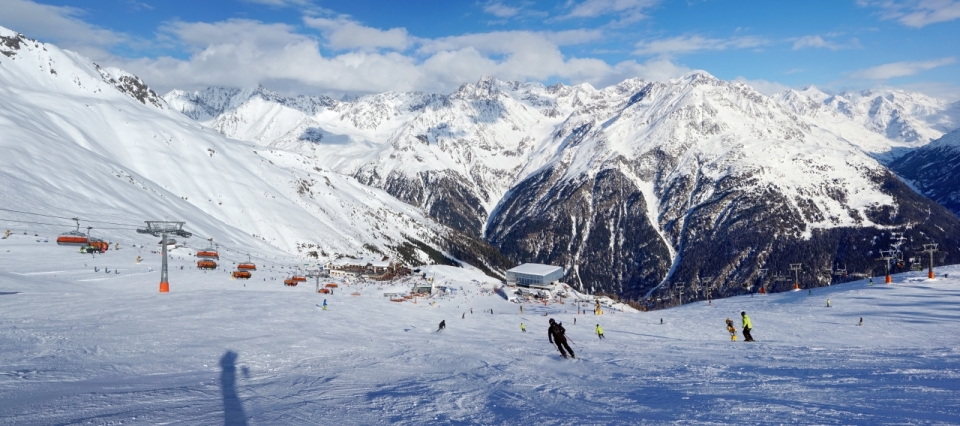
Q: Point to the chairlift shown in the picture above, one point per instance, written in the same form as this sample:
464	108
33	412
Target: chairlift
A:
94	245
289	282
206	264
247	266
209	252
73	238
243	275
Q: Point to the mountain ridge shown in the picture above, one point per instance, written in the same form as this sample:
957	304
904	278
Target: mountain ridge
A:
494	157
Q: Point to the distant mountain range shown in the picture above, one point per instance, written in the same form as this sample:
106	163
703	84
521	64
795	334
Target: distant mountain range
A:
630	187
634	188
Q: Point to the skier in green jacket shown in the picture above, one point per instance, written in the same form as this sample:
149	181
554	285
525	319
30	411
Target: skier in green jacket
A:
600	331
747	326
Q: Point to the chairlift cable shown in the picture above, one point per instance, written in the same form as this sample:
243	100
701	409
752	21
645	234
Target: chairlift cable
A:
68	218
53	224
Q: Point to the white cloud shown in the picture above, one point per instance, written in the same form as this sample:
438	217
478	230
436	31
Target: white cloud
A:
900	69
695	43
343	34
627	10
500	10
940	90
507	42
818	42
765	87
245	53
61	24
200	35
916	13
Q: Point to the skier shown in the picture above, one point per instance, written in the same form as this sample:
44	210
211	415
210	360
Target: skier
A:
861	321
556	336
464	316
747	326
732	330
523	328
828	303
443	325
324	304
521	309
600	331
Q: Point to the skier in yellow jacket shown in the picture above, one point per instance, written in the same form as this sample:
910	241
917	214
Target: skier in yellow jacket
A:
747	326
600	331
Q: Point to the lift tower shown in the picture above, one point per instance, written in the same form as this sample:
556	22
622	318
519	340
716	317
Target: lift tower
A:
887	256
315	273
795	267
160	229
930	248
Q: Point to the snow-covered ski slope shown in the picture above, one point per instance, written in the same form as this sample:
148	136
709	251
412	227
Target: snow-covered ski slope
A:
85	347
77	141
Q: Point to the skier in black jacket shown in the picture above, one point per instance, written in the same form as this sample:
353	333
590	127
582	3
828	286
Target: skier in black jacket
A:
556	335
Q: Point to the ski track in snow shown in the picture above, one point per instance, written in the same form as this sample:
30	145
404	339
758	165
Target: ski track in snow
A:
114	351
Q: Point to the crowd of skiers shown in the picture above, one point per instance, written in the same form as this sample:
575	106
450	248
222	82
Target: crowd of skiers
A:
556	334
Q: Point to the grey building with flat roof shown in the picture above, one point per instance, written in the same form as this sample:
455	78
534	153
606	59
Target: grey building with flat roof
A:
534	275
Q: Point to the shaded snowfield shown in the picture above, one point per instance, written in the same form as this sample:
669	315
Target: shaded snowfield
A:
85	347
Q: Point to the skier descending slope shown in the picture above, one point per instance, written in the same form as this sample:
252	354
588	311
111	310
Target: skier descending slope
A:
556	335
443	325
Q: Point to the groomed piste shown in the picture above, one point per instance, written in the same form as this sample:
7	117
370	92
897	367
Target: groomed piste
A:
83	346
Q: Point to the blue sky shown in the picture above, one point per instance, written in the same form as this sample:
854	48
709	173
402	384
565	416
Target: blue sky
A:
364	46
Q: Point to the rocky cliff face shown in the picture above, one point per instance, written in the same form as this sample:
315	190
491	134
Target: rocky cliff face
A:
935	170
701	182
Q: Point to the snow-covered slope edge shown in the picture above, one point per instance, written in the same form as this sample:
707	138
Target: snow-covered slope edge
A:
83	347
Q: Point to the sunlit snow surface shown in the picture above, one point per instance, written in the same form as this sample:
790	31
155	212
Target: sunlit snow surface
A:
85	347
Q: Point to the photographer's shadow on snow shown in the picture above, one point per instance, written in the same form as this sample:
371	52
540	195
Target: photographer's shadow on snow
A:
232	407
